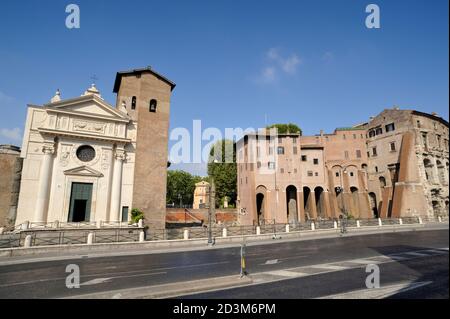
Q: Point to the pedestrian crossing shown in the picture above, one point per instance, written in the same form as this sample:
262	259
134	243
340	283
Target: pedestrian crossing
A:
303	271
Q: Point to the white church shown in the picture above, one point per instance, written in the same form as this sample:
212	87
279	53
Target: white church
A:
79	154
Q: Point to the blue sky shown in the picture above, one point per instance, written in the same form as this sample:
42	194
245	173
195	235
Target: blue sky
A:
235	63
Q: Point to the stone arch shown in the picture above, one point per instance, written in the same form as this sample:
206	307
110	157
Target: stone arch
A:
373	204
320	202
382	180
261	205
428	169
441	172
364	167
306	206
291	204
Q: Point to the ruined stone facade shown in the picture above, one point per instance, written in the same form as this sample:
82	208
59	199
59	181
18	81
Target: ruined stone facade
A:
408	163
289	178
10	172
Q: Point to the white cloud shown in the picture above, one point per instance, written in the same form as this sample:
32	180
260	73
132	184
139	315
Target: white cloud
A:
268	74
277	63
290	64
13	135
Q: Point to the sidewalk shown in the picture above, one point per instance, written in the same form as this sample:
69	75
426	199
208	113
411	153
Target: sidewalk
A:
12	256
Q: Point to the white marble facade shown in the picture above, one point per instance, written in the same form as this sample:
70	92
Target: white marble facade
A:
68	143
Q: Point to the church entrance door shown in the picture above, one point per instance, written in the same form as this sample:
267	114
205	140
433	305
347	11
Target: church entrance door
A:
80	202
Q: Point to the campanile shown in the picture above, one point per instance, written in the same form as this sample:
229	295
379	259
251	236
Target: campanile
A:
146	96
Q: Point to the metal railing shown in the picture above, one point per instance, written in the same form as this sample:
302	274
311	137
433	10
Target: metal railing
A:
133	234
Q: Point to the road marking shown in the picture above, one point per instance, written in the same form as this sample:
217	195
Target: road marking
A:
331	267
284	273
95	281
364	261
379	293
271	262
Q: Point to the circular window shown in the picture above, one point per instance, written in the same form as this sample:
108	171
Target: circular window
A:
85	153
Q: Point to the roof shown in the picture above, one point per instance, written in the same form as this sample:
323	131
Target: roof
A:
140	71
431	116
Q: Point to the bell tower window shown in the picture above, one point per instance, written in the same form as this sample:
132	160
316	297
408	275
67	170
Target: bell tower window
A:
153	104
133	103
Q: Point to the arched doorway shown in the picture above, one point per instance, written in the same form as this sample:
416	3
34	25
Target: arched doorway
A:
260	205
306	194
373	204
291	204
320	202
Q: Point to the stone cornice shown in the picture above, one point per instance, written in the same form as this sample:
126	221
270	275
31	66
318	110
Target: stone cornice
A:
83	135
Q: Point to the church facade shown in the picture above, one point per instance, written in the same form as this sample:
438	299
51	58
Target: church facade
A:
85	160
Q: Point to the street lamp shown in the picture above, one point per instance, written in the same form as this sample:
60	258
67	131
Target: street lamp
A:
212	206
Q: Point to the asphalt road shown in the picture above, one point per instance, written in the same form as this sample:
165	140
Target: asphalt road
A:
47	279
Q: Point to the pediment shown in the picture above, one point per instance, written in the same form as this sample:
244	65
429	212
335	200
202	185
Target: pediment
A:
88	105
83	171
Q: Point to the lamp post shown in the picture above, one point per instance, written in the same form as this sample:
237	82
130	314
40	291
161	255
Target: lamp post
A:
211	210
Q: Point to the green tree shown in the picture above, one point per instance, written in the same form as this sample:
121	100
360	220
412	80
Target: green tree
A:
222	168
181	183
286	128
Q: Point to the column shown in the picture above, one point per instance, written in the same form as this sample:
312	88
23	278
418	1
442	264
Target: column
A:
116	185
43	191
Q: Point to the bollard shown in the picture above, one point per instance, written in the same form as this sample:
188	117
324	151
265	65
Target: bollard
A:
186	234
400	221
2	230
420	220
141	236
90	238
258	230
313	226
439	220
335	225
358	224
99	224
380	223
141	223
25	225
224	233
27	241
287	228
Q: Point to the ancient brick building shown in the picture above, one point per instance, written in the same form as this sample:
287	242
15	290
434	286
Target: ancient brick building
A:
388	167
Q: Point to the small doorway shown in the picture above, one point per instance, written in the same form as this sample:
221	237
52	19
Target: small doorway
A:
80	202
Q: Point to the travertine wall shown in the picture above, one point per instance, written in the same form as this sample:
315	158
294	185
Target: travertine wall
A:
10	171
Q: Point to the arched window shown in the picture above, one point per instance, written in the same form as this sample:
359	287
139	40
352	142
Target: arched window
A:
153	104
382	181
133	103
428	169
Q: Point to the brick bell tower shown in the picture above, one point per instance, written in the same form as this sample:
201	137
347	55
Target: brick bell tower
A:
146	95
